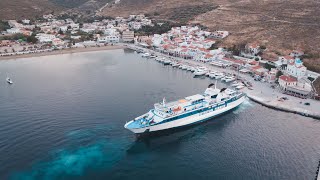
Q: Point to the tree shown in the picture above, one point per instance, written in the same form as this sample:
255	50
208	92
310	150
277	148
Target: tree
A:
268	66
32	39
279	73
60	32
5	50
13	50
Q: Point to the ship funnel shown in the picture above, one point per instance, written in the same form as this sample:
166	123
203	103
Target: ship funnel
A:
223	89
210	85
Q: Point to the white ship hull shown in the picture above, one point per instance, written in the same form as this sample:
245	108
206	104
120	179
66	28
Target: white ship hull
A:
192	119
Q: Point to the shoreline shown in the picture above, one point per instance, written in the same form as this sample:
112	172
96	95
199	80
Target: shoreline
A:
266	100
63	51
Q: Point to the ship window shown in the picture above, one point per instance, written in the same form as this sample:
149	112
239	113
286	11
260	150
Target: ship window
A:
214	96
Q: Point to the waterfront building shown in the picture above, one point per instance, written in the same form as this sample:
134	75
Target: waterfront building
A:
108	39
290	85
127	36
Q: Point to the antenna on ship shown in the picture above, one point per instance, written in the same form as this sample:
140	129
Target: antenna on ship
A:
164	102
215	84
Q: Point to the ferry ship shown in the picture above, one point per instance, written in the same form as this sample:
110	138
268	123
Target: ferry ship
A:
187	111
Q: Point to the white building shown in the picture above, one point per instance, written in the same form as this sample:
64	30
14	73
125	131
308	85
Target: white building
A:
253	48
48	16
296	53
127	36
220	34
26	21
45	38
290	85
75	37
109	39
110	31
140	16
157	40
13	31
63	28
88	30
296	68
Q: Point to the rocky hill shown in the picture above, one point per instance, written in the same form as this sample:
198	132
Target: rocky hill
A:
19	9
279	25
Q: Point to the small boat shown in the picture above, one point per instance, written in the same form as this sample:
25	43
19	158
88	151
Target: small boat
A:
158	58
212	75
166	62
161	60
192	69
145	55
229	79
9	81
184	67
175	64
235	84
219	75
240	87
200	71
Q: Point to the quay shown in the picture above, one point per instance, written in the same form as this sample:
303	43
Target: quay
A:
261	93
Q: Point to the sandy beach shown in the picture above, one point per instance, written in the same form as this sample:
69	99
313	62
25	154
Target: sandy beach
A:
63	51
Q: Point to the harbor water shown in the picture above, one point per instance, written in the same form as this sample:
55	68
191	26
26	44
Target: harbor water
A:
63	117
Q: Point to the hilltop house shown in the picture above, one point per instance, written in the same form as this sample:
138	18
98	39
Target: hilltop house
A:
220	34
296	53
253	49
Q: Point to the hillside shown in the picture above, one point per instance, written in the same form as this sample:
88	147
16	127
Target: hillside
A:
19	9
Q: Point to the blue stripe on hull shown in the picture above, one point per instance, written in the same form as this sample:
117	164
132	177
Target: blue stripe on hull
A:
192	124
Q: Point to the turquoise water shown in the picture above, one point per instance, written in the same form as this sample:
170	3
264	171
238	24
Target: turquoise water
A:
63	119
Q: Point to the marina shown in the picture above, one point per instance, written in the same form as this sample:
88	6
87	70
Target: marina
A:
269	95
72	127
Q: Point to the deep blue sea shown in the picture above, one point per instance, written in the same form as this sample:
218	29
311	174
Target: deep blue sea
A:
63	119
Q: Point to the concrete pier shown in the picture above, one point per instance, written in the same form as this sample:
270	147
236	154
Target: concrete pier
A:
283	107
